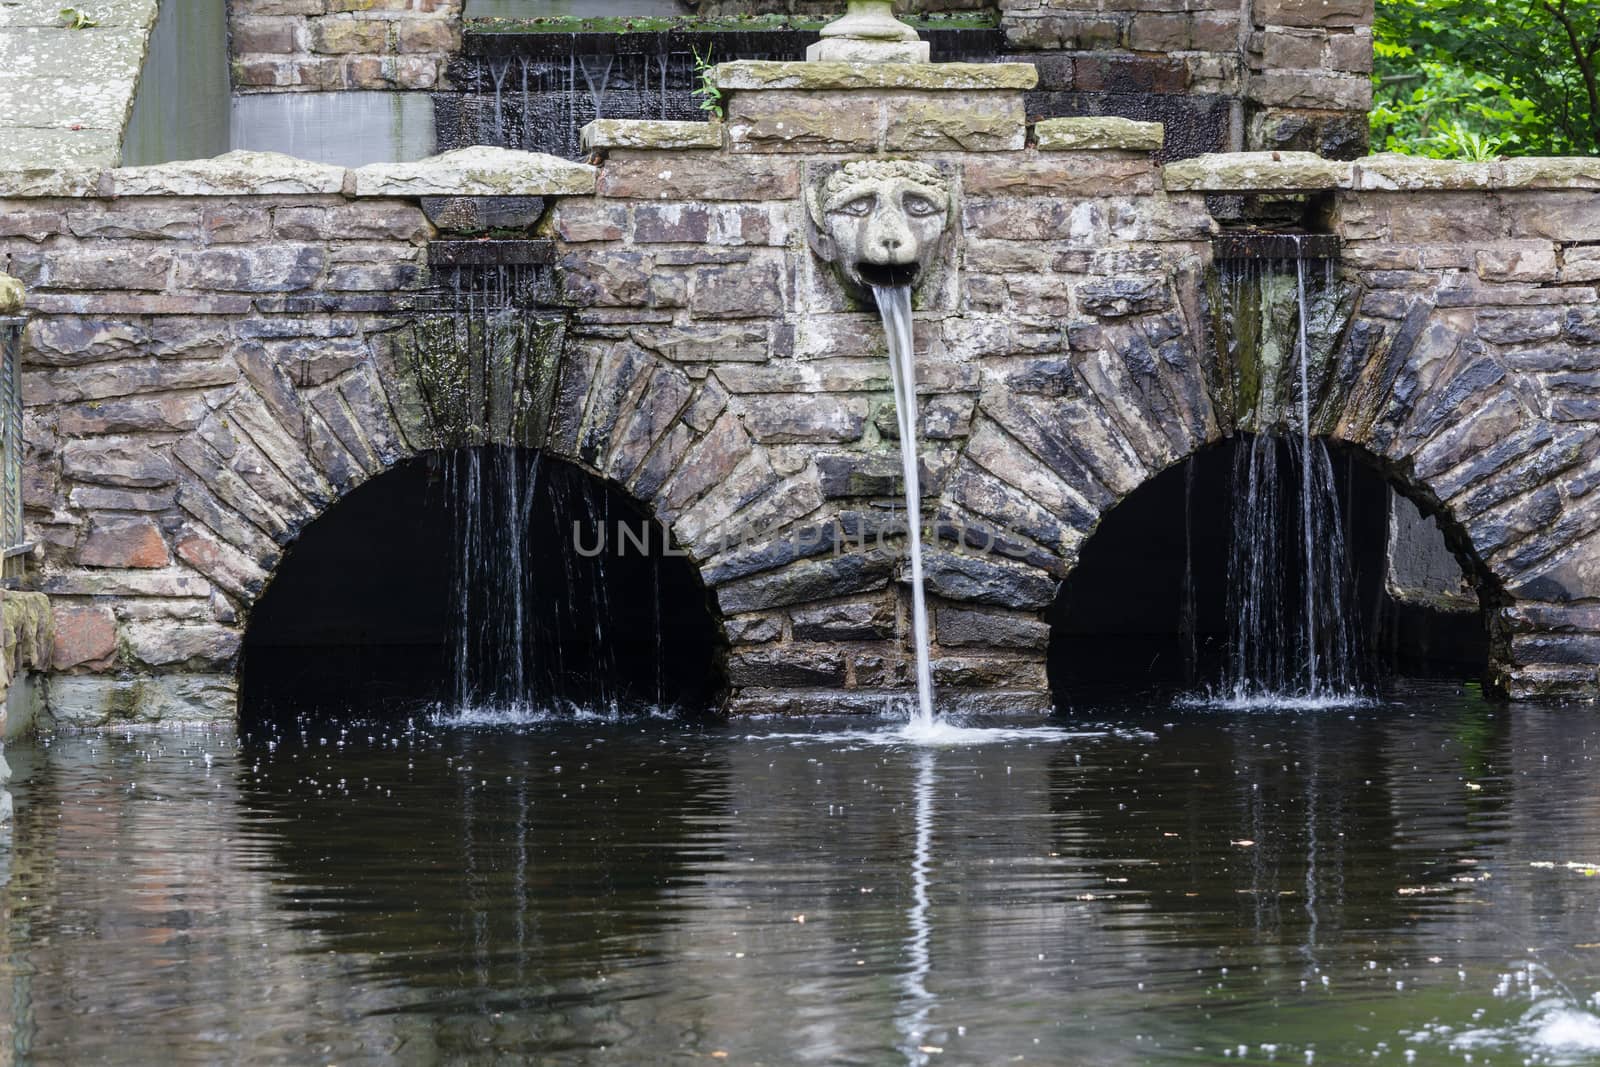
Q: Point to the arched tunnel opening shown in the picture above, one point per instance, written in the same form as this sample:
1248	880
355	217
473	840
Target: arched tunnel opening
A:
482	579
1148	606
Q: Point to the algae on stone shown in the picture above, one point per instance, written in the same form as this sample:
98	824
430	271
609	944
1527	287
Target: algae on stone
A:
1087	133
11	295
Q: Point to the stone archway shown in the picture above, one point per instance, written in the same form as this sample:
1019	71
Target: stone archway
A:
490	579
1445	399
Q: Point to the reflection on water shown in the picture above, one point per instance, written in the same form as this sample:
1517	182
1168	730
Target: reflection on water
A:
1404	883
919	927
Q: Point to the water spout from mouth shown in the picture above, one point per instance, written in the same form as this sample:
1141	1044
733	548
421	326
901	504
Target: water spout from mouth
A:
894	304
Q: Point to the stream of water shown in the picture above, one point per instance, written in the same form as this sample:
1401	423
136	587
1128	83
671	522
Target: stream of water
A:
1293	639
894	304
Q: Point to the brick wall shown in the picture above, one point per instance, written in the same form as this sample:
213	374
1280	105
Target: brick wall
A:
1220	74
1279	74
287	45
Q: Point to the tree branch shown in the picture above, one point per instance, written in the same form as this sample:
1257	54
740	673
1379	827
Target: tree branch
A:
1586	64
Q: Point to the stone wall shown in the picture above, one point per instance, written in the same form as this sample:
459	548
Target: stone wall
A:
1269	74
211	363
1220	74
300	45
206	369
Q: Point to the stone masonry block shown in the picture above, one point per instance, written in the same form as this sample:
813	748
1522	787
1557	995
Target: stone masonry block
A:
954	122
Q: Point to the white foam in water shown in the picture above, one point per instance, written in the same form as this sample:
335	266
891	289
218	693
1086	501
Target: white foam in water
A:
940	733
529	715
1269	701
1554	1032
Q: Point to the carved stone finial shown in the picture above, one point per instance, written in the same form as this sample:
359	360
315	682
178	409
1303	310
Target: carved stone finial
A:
868	33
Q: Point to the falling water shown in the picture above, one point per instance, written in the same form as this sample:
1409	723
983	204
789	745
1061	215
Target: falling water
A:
492	655
894	304
1292	637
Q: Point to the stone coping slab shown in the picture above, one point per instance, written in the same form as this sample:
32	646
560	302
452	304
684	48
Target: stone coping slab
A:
658	134
1086	133
477	171
232	174
755	75
1250	172
26	183
1392	171
466	172
1284	172
65	94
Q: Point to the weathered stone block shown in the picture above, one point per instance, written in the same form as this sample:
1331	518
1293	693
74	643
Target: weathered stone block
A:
1120	297
785	666
809	580
805	122
854	621
961	627
752	629
943	122
629	175
271	268
672	222
1325	13
339	36
124	542
738	291
195	646
115	268
987	580
808	418
1525	262
98	700
85	636
117	461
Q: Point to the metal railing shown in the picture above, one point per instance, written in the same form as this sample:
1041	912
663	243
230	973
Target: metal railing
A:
12	539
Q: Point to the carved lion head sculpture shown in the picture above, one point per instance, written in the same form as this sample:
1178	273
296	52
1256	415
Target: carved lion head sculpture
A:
880	222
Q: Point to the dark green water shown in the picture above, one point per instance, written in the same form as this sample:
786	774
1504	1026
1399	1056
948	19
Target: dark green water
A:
1387	885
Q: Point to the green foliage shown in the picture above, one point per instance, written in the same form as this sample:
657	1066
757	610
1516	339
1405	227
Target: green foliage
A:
1473	79
708	94
73	19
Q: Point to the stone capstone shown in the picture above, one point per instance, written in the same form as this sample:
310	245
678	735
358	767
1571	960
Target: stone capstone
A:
656	134
476	171
1248	172
1083	134
233	174
756	75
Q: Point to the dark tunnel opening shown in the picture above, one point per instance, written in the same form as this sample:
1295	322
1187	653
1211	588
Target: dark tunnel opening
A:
1147	606
490	579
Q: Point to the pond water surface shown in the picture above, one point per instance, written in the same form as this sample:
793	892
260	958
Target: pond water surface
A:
1405	883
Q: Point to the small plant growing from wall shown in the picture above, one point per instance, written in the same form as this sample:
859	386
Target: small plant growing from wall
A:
73	19
708	94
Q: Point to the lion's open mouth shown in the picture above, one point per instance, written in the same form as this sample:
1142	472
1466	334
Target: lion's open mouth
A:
888	275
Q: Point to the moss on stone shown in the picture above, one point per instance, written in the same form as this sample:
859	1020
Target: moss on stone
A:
483	379
11	295
27	630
